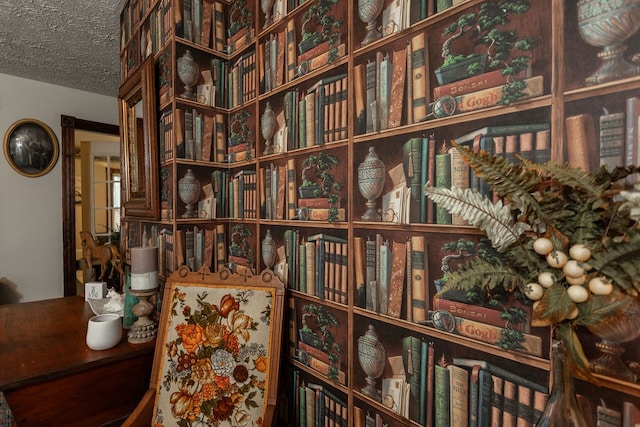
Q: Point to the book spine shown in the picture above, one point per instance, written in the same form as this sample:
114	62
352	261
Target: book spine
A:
360	267
632	143
459	395
291	50
525	409
459	178
485	390
399	63
221	248
418	275
497	399
471	84
509	404
385	273
314	352
419	77
491	334
396	282
471	312
291	189
370	275
581	152
489	97
612	135
411	356
360	88
310	253
443	180
218	19
441	397
291	317
422	414
371	95
325	369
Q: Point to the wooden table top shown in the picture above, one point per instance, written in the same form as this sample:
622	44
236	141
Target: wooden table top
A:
45	339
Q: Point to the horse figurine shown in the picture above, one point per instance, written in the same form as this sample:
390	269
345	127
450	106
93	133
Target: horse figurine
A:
106	254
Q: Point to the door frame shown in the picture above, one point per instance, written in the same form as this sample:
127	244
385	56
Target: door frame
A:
67	158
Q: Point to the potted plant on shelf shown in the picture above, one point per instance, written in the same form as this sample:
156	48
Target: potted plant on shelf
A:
318	182
514	315
484	28
318	326
567	239
325	26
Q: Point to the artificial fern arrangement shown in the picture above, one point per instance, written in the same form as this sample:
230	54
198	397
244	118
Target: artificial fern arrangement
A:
569	240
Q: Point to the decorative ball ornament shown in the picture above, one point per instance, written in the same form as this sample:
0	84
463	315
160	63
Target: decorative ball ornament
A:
600	286
534	291
557	259
542	246
546	279
444	106
577	294
580	252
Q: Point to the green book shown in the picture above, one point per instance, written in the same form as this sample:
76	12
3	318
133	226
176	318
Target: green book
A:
441	396
302	257
411	356
412	155
443	180
302	123
443	4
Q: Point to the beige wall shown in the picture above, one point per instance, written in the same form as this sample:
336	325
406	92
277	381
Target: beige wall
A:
31	208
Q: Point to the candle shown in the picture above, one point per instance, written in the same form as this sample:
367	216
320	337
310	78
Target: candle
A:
144	268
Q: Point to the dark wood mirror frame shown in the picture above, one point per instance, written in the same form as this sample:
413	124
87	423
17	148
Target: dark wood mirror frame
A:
67	149
138	144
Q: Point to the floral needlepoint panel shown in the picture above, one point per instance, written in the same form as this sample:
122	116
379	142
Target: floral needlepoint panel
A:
214	369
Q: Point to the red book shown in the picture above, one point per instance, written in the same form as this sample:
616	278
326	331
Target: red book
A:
471	84
315	202
474	312
314	51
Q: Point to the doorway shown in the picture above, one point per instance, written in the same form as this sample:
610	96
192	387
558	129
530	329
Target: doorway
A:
68	150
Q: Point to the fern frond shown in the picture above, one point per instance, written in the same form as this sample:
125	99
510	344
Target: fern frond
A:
619	262
517	184
494	219
576	178
484	273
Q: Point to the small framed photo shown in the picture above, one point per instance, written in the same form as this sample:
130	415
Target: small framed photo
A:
31	147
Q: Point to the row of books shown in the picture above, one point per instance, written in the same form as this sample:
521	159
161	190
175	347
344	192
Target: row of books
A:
316	117
157	29
530	141
315	265
189	134
201	22
392	275
468	392
314	405
611	139
242	80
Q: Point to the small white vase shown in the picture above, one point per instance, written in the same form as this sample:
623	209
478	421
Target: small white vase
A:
104	331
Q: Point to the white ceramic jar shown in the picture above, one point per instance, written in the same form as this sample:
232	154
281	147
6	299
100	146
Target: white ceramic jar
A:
104	331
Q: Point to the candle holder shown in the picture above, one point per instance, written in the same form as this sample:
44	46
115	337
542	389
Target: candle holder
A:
145	328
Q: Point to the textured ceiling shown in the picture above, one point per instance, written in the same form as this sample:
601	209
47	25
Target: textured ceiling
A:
72	43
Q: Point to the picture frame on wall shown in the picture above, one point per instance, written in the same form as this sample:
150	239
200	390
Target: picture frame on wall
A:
30	147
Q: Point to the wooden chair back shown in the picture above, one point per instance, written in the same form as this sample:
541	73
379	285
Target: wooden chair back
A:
217	353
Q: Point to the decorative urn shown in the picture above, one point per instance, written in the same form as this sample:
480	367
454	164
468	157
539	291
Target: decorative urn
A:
607	24
188	72
189	192
371	355
368	11
268	248
267	6
267	127
371	173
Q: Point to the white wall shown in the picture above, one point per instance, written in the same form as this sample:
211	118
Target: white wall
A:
31	208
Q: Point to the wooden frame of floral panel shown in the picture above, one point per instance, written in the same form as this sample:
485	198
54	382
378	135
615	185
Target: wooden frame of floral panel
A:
217	356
